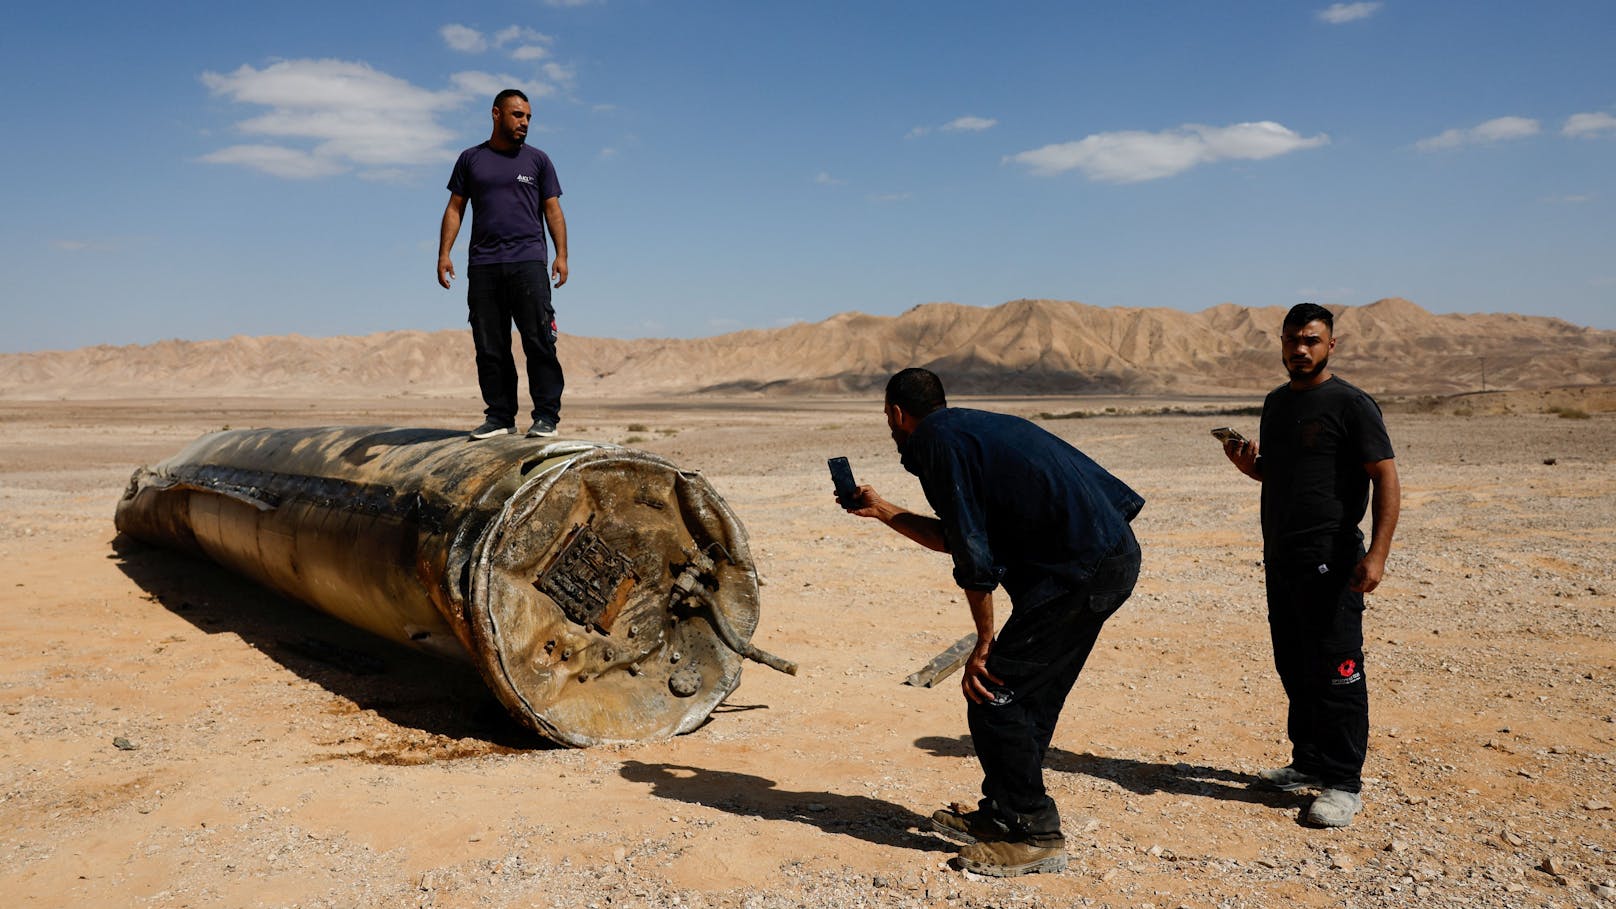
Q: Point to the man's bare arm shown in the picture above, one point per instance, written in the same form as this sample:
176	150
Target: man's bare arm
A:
1243	455
558	236
923	529
1385	506
447	231
975	677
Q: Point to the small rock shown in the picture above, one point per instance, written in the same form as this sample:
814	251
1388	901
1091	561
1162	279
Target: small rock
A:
1596	805
1604	891
1511	837
123	744
1154	851
1553	865
1396	846
1342	862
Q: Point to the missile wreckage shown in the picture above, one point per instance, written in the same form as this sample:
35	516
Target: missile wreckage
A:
602	593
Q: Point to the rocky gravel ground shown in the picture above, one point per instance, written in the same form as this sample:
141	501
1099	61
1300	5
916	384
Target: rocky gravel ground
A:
173	736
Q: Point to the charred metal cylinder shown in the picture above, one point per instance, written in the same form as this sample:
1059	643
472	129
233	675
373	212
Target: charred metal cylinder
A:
603	594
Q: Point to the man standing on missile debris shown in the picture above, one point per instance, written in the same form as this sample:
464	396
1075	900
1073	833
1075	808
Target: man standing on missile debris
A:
1323	445
514	195
1020	507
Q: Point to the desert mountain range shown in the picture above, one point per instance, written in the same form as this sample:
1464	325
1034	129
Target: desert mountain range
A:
1391	346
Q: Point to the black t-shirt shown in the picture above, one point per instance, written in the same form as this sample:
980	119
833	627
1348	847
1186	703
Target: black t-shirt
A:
1314	446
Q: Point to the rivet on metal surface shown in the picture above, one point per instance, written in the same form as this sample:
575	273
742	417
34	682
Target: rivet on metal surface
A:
566	654
607	654
677	656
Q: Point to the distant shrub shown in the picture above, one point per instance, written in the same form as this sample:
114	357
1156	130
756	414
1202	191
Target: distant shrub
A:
1463	412
1570	413
633	440
638	427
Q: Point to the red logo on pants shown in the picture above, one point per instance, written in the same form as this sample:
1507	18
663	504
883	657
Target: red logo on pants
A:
1347	668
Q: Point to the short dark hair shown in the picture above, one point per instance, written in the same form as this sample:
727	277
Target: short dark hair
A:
1303	313
507	95
918	391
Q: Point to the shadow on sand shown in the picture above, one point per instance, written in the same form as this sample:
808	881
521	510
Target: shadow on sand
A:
406	687
1141	777
868	819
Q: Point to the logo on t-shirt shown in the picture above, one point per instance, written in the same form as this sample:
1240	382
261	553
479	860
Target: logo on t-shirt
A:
525	178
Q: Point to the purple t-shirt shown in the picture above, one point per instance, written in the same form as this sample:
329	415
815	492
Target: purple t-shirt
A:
507	193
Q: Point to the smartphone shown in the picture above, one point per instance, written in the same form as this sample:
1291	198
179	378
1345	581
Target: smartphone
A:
1226	435
841	474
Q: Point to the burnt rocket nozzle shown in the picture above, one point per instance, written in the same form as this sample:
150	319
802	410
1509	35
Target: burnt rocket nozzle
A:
603	594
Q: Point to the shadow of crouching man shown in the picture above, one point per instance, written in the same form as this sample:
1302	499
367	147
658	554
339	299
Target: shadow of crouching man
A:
1140	777
868	819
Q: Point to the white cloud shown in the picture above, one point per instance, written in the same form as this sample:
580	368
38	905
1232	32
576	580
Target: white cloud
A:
956	125
277	161
481	86
1583	125
530	52
890	197
606	153
1498	129
571	3
825	179
333	115
512	34
560	74
1569	199
464	39
1133	156
1339	13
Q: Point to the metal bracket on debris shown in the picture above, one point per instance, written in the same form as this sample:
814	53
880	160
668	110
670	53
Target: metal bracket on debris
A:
690	585
588	579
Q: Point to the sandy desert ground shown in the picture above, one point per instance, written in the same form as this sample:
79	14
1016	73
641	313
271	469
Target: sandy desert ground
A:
272	757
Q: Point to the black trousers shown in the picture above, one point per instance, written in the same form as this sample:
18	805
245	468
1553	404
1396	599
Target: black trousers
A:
498	296
1316	624
1038	655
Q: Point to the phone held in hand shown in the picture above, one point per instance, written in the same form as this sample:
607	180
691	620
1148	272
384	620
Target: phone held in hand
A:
841	474
1226	435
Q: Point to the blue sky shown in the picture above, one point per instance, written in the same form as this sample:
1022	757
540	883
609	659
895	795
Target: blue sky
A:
199	170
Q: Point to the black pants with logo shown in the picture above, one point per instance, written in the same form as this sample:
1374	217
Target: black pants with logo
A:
497	296
1316	624
1038	655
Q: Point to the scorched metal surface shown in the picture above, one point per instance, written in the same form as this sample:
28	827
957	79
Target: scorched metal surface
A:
604	594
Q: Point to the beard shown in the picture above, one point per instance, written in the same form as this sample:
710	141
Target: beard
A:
1301	373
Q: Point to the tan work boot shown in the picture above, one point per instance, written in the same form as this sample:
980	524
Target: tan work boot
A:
1013	858
967	827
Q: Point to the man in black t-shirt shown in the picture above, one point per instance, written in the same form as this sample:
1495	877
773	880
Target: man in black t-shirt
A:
1323	446
514	196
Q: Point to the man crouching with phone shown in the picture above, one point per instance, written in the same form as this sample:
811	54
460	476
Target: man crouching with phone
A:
1018	506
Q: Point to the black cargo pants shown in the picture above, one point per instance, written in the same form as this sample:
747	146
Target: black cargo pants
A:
1038	656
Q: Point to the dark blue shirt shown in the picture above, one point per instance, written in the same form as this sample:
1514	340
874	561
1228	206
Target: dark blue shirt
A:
507	193
1314	445
1019	506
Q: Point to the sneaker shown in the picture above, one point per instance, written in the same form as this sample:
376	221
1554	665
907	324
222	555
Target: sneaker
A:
541	429
1013	858
1334	808
967	827
1285	779
489	429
